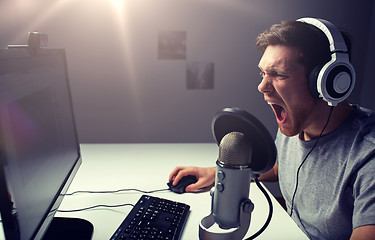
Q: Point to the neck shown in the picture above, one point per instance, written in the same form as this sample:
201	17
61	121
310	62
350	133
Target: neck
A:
338	115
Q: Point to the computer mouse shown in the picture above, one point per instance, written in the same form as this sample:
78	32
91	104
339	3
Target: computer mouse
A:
182	184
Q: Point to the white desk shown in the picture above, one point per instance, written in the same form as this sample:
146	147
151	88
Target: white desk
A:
146	167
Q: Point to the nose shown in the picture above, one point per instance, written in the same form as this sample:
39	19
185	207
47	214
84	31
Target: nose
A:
265	86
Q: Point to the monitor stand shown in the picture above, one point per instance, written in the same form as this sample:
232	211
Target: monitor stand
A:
69	228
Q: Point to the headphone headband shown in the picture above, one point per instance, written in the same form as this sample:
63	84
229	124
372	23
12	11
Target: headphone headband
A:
336	41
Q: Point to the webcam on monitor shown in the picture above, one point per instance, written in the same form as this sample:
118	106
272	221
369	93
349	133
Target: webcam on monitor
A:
35	40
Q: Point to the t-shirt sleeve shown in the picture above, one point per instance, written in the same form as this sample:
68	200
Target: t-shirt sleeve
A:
364	195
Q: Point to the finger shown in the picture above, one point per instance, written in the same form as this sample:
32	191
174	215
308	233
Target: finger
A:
182	173
194	187
175	171
178	177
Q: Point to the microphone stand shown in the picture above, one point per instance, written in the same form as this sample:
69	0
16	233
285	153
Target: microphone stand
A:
210	230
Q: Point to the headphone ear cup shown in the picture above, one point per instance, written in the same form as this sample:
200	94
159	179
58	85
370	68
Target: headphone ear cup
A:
332	82
339	82
312	81
336	81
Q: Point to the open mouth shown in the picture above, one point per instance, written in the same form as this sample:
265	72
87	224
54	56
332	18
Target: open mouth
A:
279	112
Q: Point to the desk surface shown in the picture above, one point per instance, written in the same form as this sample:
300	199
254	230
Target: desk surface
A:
146	167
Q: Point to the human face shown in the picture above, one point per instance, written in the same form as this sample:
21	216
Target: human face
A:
284	86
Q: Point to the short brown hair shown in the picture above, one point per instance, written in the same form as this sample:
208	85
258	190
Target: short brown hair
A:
311	42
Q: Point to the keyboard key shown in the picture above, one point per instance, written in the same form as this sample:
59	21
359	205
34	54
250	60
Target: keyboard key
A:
153	218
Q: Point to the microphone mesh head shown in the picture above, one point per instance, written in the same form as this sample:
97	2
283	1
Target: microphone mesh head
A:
235	149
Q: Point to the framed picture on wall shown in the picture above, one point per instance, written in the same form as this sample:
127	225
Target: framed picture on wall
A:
200	75
172	45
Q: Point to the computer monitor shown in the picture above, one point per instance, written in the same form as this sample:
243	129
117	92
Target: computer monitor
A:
39	148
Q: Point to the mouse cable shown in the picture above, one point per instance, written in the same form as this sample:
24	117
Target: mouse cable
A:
96	206
117	191
107	206
268	220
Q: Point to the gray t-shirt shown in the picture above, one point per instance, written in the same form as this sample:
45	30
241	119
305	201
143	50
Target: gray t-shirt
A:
336	184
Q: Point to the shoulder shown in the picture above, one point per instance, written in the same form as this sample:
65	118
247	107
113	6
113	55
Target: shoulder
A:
361	125
363	118
366	120
357	136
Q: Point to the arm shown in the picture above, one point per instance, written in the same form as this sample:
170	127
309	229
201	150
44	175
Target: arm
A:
363	233
271	175
205	176
364	202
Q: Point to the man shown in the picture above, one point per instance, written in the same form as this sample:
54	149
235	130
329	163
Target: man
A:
326	155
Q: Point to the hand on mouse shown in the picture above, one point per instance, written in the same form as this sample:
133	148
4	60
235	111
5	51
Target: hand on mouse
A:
205	176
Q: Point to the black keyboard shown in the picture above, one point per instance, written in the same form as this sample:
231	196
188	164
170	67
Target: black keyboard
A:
153	218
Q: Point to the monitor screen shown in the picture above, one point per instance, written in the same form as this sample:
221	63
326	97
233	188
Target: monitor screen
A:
38	141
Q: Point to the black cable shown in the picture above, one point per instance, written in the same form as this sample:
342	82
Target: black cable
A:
107	206
117	191
97	206
268	220
300	166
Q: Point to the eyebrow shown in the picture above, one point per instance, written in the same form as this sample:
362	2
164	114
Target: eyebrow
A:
275	69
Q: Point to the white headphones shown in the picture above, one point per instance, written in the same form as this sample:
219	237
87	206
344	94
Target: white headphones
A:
335	80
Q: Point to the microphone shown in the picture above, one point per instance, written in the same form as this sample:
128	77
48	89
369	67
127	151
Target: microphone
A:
232	181
230	207
246	149
263	153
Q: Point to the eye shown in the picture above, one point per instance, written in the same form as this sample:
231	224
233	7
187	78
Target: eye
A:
273	75
276	75
281	76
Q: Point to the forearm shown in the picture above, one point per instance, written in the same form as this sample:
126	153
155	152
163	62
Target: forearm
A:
271	175
363	233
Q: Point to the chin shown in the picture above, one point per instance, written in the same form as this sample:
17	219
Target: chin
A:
288	132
